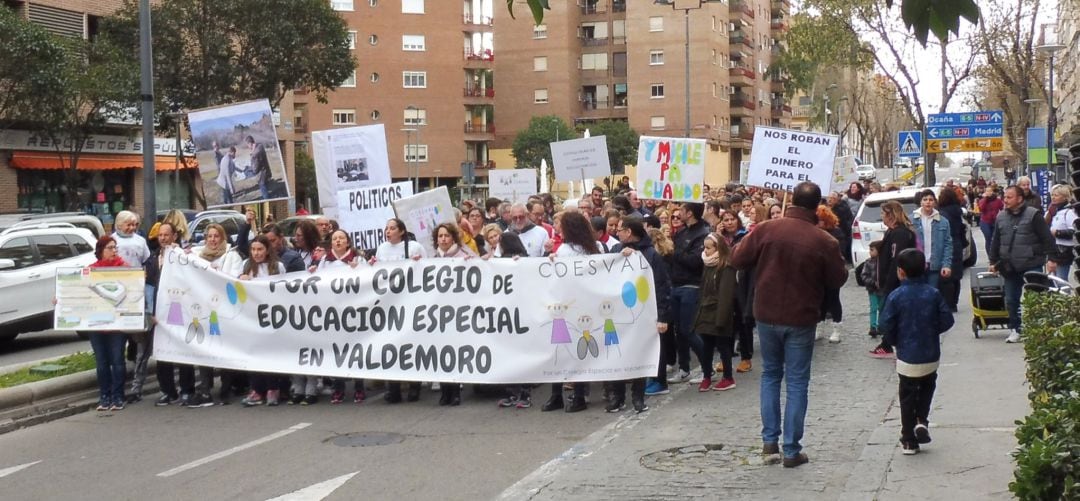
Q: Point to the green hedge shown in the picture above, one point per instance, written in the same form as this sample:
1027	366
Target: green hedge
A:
1048	456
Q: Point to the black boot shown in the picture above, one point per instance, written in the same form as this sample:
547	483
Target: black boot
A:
615	405
616	396
637	395
455	394
414	392
554	403
393	393
446	394
577	403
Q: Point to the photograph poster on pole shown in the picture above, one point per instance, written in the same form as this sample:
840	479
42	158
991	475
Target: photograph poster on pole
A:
239	158
348	159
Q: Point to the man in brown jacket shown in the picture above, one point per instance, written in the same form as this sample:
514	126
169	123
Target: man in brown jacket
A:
794	261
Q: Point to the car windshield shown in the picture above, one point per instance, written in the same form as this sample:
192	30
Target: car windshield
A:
871	212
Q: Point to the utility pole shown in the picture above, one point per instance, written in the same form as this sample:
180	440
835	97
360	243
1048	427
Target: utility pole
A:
146	96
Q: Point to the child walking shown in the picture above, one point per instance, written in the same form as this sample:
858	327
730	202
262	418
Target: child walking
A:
913	319
715	319
867	272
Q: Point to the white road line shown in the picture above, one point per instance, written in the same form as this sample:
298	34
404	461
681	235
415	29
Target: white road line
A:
214	457
316	492
15	469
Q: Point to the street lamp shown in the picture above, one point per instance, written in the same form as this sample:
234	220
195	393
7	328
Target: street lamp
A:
1050	48
686	16
1034	104
828	110
839	113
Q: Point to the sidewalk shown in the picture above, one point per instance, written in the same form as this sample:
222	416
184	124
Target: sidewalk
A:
707	445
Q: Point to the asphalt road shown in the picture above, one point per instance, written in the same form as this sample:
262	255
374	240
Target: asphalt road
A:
33	346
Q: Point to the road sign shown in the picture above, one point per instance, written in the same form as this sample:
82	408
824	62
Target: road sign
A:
970	131
909	142
957	145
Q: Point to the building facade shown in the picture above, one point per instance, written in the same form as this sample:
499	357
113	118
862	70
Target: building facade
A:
1067	91
612	59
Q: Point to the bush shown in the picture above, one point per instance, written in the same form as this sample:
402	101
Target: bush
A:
1048	456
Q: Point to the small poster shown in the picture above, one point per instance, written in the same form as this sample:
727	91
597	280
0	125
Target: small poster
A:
100	299
784	158
843	173
363	212
512	185
671	169
349	158
239	158
423	212
579	159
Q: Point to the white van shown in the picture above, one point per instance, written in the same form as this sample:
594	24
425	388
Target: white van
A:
868	227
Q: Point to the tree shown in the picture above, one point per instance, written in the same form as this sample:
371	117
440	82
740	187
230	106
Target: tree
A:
533	144
213	52
622	142
306	185
31	69
920	16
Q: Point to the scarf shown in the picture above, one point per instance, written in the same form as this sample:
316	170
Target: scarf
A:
109	263
212	254
711	261
349	257
451	252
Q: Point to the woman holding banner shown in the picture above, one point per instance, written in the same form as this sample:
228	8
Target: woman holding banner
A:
447	240
397	247
340	255
262	265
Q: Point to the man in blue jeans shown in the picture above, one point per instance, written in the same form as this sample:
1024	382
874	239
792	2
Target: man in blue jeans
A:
1020	244
794	261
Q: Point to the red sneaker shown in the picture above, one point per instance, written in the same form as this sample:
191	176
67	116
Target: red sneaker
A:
724	384
705	384
880	352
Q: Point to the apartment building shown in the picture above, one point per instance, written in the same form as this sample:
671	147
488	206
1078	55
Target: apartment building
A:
1067	91
424	71
613	59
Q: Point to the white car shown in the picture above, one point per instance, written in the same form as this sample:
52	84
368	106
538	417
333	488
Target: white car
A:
868	226
866	172
29	257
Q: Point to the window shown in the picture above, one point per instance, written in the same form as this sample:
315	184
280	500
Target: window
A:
415	117
539	31
594	61
714	89
346	5
349	82
52	248
657	122
373	39
714	23
656	57
540	63
412	6
344	117
373	3
657	91
375	114
352	40
81	247
18	250
374	77
540	96
656	23
414	79
416	153
412	43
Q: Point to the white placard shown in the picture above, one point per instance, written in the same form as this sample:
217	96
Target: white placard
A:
671	169
100	299
422	212
498	321
512	185
844	173
239	158
353	157
784	158
363	212
579	159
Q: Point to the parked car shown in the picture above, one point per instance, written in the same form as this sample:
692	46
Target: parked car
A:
866	172
77	219
288	225
868	226
228	219
29	257
189	214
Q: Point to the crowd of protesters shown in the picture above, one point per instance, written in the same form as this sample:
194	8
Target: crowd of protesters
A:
745	260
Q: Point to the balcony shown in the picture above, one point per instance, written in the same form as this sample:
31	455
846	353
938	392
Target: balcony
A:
804	111
479	132
742	133
778	24
742	105
480	22
490	164
780	5
589	7
777	85
781	111
740	41
590	104
595	75
484	59
742	76
478	95
618	6
740	9
594	42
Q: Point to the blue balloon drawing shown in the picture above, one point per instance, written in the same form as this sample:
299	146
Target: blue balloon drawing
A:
629	294
231	292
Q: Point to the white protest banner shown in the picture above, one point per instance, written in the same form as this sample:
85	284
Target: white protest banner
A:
422	212
578	159
784	158
844	173
497	321
512	185
239	158
671	169
100	299
744	167
354	157
363	212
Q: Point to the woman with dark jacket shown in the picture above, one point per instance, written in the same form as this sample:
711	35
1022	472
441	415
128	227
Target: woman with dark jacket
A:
109	346
633	237
715	318
899	237
949	208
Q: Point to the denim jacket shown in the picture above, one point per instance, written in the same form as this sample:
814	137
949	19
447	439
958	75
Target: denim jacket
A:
940	256
913	317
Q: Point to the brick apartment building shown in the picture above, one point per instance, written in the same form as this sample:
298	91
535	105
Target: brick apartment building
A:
617	59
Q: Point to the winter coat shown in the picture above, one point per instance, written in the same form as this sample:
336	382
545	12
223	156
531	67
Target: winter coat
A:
1022	239
913	317
716	304
940	254
689	243
958	229
989	209
893	243
867	273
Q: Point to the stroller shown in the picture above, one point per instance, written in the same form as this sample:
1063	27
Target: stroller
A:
987	301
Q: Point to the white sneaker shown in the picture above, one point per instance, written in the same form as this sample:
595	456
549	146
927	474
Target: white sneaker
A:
835	336
681	377
1014	337
818	336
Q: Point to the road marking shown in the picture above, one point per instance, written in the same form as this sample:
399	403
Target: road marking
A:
226	453
15	469
318	491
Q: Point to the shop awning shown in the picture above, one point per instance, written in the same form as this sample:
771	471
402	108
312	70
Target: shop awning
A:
91	161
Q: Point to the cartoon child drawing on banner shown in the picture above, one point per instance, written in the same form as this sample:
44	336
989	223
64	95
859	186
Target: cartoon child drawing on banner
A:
175	316
587	344
195	331
633	294
611	336
560	333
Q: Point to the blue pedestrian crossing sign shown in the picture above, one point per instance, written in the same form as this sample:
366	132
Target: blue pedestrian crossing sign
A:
909	143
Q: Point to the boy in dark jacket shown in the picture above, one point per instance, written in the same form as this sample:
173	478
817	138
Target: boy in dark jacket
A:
867	274
913	319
